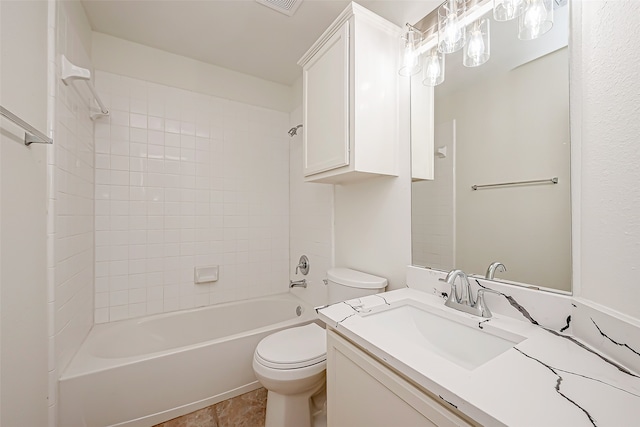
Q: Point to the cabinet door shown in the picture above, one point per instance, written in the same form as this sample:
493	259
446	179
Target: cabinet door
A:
326	105
363	392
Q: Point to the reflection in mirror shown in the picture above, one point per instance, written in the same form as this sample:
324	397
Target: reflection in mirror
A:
503	122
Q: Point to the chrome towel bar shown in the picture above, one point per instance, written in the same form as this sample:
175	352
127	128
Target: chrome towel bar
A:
553	180
32	134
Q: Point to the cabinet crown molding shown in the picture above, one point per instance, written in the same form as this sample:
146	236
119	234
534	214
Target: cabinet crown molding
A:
353	9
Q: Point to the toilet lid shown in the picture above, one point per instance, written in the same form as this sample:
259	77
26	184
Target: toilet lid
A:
293	348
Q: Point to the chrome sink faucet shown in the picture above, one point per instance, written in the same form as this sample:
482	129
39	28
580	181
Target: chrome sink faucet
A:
491	271
465	302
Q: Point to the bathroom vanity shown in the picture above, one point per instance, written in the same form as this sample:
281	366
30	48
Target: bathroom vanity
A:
403	357
356	381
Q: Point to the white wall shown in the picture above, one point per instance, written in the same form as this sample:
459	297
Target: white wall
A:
23	292
364	225
311	223
606	84
71	197
130	59
373	217
185	179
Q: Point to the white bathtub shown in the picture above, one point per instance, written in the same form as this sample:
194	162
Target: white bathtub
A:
141	372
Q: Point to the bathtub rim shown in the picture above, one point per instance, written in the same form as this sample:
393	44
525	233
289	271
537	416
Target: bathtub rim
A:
83	357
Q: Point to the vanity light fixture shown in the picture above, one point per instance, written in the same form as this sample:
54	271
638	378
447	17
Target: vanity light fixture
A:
451	30
477	49
536	19
462	23
410	58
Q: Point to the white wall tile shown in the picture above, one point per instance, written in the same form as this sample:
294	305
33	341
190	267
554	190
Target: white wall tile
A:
118	313
172	194
71	220
101	315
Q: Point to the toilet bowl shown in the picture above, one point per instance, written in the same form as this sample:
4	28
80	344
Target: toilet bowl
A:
291	364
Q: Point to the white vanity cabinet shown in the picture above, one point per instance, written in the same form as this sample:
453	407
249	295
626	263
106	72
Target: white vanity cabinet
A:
363	392
350	99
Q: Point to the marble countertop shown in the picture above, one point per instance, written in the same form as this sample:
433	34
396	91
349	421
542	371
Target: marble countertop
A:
549	379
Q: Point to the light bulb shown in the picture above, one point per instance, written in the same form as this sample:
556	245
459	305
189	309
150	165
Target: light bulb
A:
409	57
536	20
476	52
433	68
433	73
476	45
534	16
452	31
506	10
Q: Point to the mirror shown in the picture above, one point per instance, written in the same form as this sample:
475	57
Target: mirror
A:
504	122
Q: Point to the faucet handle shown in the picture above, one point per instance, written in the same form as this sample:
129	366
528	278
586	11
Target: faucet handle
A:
451	280
481	304
465	289
464	297
303	265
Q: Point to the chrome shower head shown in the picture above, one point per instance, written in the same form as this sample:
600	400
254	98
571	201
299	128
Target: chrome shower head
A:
294	130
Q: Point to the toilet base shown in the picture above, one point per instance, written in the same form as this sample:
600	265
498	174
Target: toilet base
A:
291	410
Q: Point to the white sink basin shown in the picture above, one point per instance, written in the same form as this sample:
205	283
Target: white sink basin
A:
452	336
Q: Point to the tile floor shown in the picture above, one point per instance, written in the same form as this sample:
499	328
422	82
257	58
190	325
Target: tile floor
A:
246	410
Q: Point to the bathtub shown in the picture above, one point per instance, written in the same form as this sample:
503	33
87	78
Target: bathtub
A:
140	372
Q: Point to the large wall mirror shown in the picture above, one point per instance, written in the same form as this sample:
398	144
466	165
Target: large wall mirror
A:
504	122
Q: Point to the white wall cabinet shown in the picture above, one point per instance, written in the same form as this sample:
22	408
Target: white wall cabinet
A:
363	392
350	99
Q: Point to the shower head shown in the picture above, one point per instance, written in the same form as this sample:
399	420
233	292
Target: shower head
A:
294	130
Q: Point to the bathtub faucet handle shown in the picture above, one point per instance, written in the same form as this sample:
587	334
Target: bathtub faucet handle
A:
303	265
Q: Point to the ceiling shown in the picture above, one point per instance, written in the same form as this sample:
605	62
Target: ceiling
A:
241	35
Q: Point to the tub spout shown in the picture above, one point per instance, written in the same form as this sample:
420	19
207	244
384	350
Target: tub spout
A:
298	283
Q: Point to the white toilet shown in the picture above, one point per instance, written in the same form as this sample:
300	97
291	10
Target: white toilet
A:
291	363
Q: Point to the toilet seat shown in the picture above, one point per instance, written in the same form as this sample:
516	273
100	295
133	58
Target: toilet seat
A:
293	348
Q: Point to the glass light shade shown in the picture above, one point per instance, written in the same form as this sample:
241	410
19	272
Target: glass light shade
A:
409	58
433	68
506	10
536	19
451	32
477	49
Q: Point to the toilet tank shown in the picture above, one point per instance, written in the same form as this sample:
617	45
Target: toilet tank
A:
345	283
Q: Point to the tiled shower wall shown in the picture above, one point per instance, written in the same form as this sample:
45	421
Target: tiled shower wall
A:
70	162
183	180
